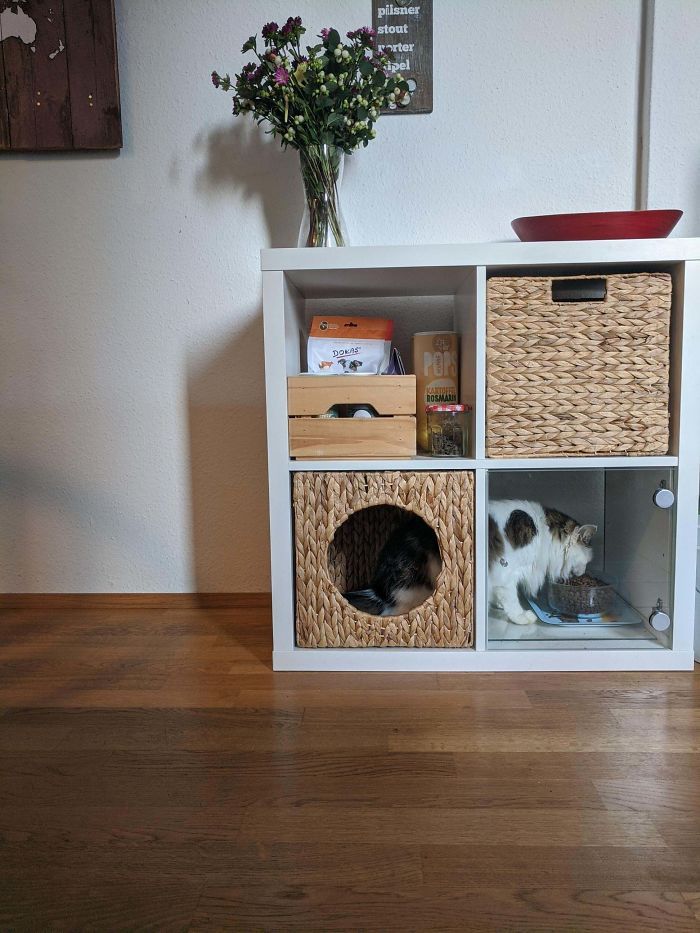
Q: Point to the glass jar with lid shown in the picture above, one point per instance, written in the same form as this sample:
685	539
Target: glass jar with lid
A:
448	430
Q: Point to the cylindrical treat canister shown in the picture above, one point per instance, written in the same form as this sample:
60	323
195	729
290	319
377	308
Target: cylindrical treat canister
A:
436	365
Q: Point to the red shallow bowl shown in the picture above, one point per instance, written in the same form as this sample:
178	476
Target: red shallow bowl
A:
602	225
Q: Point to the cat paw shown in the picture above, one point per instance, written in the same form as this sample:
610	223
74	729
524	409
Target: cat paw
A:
527	617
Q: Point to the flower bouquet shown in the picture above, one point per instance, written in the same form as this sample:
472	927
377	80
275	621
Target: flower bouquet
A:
323	103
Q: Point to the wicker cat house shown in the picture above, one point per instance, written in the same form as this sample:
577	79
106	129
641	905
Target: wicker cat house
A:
333	554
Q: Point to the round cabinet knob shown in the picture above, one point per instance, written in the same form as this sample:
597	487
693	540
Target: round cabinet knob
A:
664	498
659	621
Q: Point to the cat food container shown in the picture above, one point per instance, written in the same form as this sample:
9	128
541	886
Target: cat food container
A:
581	596
436	365
448	430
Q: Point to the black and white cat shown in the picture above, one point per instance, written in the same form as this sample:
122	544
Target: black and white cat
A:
528	545
406	574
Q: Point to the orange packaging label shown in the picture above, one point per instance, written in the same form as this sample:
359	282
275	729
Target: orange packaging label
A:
352	328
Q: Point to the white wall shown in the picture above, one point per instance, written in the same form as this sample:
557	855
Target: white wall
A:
674	124
131	374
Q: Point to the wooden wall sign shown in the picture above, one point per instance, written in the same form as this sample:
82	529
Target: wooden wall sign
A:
408	31
59	87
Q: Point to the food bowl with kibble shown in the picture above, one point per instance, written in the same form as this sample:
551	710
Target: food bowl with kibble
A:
581	596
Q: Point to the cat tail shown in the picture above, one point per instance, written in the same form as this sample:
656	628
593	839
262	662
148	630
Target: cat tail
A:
366	601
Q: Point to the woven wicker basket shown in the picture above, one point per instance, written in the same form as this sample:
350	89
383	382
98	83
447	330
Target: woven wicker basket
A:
583	378
331	557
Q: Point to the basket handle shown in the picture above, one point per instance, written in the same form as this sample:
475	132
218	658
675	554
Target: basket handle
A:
578	290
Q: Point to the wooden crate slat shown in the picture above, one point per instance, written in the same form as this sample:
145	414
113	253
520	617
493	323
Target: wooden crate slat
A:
388	395
370	438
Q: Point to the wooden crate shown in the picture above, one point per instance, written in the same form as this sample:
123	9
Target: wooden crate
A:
391	435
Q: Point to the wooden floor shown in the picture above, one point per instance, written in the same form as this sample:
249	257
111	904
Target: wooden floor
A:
156	774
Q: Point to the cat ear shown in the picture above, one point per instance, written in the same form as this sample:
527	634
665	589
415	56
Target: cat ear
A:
584	533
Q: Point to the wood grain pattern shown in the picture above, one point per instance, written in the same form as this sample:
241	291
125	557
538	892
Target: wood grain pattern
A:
20	93
363	438
4	113
314	395
60	91
94	86
52	111
52	601
155	773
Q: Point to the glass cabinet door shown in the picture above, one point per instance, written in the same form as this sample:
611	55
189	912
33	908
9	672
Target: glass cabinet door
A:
620	597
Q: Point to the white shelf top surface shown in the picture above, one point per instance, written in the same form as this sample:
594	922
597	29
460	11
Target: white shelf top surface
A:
382	271
499	253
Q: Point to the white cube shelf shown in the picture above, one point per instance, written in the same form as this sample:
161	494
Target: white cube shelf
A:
444	287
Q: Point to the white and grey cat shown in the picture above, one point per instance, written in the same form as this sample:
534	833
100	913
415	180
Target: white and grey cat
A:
528	544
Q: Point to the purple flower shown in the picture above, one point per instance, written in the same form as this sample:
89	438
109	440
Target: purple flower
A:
292	24
215	79
259	72
281	76
248	69
366	33
269	29
325	33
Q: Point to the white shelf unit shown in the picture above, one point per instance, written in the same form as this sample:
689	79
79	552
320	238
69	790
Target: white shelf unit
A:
436	287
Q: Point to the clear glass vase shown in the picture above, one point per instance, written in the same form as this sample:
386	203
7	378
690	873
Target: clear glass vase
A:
322	223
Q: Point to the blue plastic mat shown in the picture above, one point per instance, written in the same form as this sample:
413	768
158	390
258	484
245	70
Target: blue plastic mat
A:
622	614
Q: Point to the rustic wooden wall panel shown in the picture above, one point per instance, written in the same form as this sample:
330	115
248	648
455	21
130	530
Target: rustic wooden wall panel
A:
94	87
4	116
60	90
412	44
50	68
19	89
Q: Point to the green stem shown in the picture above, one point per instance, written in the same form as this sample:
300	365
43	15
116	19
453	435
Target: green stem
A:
319	169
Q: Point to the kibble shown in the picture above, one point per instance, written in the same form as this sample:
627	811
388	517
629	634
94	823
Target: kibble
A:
582	595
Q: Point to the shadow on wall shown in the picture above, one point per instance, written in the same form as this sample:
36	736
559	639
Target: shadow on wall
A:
226	389
228	478
242	161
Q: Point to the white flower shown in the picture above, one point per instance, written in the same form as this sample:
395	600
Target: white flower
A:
345	53
278	60
405	100
372	132
391	97
324	89
373	113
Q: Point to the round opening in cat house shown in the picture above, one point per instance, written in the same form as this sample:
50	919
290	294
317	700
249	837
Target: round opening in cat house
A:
385	560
